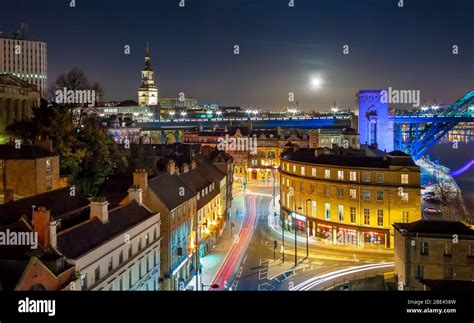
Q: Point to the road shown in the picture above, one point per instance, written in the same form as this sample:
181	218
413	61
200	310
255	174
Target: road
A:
250	265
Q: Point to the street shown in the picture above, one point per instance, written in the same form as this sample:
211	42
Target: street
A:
250	264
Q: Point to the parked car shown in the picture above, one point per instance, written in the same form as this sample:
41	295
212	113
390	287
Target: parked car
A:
432	210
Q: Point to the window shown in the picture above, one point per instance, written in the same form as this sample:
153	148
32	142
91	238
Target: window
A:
424	250
379	178
84	281
448	272
353	176
340	175
120	283
313	172
380	218
130	279
340	213
111	264
379	196
146	240
120	257
302	171
313	208
448	249
405	216
49	182
366	195
97	274
301	187
139	244
366	216
327	173
419	272
353	193
470	250
340	193
140	269
130	251
294	168
326	191
404	196
48	165
366	177
327	211
313	188
353	214
404	178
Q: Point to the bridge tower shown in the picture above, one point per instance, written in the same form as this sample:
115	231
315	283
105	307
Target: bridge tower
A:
373	122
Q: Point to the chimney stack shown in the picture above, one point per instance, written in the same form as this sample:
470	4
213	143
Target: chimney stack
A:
171	167
193	164
46	144
140	178
185	168
100	209
41	220
135	193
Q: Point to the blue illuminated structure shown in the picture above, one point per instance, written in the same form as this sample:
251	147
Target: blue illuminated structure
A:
417	138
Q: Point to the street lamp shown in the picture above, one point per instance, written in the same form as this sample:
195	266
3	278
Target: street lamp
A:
307	229
219	113
183	114
172	114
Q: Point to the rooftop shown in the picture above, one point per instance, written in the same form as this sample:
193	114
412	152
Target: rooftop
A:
444	227
9	151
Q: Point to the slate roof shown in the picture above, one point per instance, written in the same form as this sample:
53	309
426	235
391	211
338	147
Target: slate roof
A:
309	156
167	188
61	204
443	227
86	236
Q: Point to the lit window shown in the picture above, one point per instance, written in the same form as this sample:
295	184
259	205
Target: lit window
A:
340	193
294	168
340	212
327	173
353	193
380	218
366	216
302	171
404	178
405	216
353	176
327	211
313	172
425	248
340	175
353	214
326	191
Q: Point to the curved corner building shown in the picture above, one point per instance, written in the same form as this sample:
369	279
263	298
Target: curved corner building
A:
349	196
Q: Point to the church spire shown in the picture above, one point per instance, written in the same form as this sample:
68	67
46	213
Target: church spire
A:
148	58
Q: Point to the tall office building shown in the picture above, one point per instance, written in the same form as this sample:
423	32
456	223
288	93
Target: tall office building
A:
25	59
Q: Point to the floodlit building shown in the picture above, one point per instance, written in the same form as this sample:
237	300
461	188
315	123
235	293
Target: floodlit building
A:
148	92
349	196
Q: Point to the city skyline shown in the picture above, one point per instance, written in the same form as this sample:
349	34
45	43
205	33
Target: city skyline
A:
192	48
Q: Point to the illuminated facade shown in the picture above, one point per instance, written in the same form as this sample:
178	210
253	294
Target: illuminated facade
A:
148	92
25	59
349	196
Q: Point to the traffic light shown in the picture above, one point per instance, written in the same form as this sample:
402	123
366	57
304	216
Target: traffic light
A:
275	244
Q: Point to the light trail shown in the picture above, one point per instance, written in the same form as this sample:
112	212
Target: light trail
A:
463	169
237	248
314	281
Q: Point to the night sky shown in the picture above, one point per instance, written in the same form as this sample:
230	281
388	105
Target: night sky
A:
281	48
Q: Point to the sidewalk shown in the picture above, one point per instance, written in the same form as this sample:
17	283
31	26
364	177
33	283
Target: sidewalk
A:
212	262
275	225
